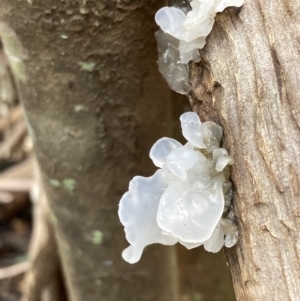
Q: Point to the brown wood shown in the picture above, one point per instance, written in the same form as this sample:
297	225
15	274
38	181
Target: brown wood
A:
248	81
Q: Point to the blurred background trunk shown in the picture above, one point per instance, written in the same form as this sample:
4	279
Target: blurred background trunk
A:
248	82
87	75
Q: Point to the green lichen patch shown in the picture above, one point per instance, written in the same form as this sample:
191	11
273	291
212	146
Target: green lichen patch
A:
22	258
100	5
64	36
84	10
87	66
69	184
79	108
54	183
98	282
96	237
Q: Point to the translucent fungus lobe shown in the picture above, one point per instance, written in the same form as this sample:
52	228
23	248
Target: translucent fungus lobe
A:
184	200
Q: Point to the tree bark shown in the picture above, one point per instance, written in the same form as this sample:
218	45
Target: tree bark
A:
87	74
248	81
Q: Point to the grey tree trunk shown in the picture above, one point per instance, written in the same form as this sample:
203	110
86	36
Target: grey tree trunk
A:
248	81
87	75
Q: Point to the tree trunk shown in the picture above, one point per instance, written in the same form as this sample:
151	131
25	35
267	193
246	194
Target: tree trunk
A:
248	81
87	75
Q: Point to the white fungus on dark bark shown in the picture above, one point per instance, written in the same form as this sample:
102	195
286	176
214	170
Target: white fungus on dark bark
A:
188	198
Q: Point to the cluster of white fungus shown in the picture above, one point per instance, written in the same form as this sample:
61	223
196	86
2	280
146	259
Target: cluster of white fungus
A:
182	34
188	198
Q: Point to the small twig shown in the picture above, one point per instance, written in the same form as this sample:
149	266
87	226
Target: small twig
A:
8	91
13	116
14	270
16	185
16	137
43	251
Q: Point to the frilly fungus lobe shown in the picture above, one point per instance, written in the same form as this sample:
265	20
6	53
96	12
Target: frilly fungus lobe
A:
186	199
182	33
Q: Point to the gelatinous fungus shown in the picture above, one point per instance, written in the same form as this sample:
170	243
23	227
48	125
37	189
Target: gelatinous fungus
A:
183	32
188	198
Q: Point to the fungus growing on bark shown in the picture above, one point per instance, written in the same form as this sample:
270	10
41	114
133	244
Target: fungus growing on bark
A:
187	199
181	36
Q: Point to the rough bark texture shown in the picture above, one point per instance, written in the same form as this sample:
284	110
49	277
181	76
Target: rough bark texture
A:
248	81
87	74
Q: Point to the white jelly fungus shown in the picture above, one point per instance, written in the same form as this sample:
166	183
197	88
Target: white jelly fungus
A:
182	33
187	199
